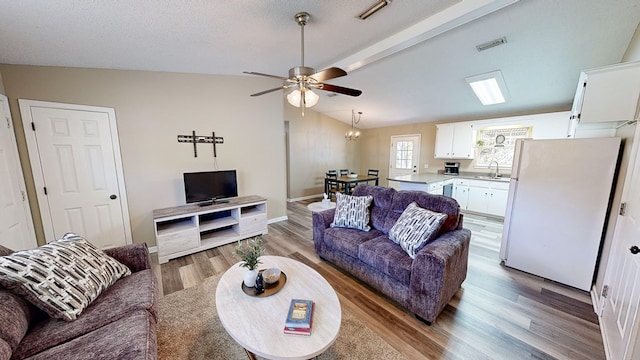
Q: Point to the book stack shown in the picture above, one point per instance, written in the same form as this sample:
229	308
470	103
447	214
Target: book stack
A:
299	317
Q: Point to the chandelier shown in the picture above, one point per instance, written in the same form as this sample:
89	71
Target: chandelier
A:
353	134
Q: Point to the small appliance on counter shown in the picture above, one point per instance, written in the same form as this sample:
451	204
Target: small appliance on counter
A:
451	168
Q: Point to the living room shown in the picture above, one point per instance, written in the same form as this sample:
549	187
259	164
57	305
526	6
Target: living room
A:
155	106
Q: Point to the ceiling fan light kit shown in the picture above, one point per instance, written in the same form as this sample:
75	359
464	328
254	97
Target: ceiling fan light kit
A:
374	9
302	79
305	96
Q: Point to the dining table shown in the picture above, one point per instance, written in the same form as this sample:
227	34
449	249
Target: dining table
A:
346	182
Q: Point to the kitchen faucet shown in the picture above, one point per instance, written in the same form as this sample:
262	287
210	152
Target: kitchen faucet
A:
497	168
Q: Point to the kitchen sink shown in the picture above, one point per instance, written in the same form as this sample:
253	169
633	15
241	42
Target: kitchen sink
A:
494	178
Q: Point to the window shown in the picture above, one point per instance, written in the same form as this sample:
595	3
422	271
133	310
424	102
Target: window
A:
404	154
498	144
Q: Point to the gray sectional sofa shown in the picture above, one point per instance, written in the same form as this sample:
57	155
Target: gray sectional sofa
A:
119	324
423	285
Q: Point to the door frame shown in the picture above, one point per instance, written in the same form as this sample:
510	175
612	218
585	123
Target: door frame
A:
4	102
619	248
35	160
417	153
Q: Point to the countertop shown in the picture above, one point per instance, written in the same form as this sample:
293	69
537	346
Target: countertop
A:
428	178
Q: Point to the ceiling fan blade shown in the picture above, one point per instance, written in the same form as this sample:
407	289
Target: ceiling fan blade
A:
327	74
339	89
267	75
267	91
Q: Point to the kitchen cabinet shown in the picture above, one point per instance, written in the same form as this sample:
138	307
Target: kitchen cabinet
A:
432	187
497	204
608	93
461	192
454	141
478	196
435	188
483	196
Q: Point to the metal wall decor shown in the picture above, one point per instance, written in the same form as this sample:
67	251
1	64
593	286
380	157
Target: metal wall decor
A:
195	139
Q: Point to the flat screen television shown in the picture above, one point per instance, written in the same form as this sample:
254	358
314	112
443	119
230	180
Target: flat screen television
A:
210	185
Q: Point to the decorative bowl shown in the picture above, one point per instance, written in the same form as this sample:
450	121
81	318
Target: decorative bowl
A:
271	275
352	175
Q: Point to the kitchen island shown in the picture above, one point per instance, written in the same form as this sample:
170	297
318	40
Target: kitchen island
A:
429	182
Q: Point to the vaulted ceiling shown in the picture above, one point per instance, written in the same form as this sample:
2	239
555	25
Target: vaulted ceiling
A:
409	59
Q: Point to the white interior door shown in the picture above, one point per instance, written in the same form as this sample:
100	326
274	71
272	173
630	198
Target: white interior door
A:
404	156
75	155
16	224
620	317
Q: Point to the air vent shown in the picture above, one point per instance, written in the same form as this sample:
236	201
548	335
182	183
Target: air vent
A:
490	44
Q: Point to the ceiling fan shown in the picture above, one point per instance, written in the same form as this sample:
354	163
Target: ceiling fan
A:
303	79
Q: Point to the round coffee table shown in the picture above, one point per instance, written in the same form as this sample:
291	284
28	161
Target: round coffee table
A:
257	323
317	206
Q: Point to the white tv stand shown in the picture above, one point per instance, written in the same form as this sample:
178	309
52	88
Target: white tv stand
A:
186	229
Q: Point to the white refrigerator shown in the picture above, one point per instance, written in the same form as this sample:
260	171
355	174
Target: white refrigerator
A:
559	194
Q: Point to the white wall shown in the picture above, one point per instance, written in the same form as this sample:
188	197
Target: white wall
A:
545	126
627	133
633	51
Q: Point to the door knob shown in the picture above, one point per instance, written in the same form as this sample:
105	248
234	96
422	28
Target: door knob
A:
634	249
113	197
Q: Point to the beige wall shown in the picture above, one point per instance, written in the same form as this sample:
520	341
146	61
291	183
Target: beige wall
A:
316	144
152	108
2	86
375	145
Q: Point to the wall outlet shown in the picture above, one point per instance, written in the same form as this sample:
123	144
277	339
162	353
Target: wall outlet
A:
426	166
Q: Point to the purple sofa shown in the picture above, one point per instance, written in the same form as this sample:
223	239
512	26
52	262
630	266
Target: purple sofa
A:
423	285
119	324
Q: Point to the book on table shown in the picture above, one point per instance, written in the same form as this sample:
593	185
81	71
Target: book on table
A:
299	317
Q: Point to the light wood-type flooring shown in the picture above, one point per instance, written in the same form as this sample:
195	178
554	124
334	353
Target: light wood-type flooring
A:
499	313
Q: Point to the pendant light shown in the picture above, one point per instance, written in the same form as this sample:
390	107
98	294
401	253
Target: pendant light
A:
353	134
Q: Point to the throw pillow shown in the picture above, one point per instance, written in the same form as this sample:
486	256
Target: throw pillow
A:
415	228
63	277
352	212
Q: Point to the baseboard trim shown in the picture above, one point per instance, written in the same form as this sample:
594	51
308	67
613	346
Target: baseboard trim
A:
153	249
305	198
598	309
595	300
278	219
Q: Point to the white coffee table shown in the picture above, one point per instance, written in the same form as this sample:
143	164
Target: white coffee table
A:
257	323
317	206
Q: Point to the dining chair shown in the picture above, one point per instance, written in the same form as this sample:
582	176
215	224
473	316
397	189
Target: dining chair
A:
343	172
373	172
331	185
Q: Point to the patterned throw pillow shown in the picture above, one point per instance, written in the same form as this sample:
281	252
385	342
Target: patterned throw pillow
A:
63	277
352	212
415	228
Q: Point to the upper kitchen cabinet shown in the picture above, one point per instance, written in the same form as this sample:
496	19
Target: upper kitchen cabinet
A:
608	93
454	141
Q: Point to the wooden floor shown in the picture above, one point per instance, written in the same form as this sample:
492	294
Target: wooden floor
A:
499	313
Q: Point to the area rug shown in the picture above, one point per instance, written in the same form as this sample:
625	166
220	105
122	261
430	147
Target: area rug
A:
189	328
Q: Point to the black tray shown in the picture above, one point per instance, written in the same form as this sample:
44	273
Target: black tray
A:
269	289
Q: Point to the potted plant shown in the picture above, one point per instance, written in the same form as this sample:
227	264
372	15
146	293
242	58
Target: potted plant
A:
249	256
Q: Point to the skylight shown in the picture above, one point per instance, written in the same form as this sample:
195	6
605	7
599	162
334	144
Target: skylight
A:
490	88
